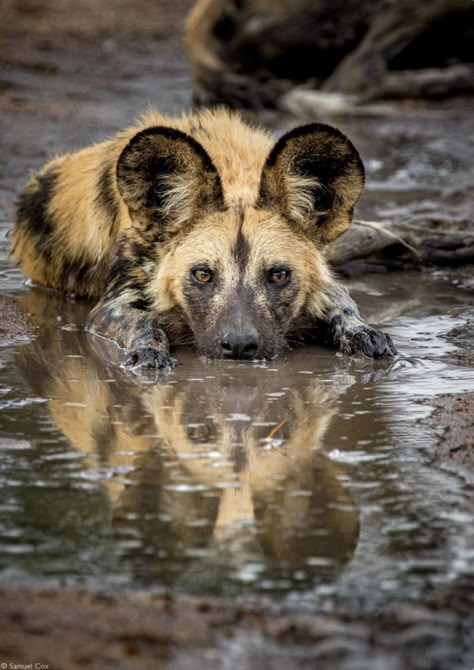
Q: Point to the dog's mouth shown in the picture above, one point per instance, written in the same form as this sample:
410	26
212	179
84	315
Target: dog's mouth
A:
243	353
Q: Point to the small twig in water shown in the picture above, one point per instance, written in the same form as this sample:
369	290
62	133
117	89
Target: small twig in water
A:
275	430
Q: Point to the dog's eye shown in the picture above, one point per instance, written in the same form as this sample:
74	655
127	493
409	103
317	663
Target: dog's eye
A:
202	275
278	276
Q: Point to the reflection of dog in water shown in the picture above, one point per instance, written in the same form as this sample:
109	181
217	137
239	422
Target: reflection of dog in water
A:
232	464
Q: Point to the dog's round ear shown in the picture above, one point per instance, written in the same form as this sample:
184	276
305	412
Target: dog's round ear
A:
313	176
167	178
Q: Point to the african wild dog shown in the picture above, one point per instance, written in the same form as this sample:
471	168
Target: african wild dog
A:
200	227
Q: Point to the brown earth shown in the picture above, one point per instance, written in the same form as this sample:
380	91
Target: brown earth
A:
463	338
74	628
453	421
453	416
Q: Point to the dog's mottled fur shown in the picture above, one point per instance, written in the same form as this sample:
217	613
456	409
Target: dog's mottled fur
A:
132	221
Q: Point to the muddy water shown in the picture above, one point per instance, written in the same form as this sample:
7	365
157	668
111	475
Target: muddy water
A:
308	478
305	477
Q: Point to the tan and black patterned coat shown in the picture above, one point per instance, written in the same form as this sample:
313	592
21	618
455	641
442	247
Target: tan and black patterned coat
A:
200	229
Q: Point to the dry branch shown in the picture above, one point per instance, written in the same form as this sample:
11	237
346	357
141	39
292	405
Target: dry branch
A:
451	243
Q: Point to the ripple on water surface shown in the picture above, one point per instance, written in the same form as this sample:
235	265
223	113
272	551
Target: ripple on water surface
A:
308	476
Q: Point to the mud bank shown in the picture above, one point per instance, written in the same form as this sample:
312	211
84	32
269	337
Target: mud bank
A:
463	338
453	420
74	628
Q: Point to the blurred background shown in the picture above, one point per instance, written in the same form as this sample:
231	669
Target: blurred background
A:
72	72
249	52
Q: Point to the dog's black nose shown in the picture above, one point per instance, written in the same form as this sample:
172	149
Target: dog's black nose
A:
242	345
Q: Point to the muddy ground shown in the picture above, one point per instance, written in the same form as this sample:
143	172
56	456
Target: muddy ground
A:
452	418
72	72
453	421
73	628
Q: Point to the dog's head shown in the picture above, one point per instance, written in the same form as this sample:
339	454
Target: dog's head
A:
240	269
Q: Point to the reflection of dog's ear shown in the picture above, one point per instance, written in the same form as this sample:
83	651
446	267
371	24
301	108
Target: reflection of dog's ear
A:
322	522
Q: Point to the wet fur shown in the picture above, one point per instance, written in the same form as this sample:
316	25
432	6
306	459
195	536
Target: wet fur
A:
124	221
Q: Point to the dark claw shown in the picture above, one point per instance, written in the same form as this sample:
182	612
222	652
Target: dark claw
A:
147	357
372	343
363	339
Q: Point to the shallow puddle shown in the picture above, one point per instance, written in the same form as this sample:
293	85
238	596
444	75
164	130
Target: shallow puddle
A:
307	477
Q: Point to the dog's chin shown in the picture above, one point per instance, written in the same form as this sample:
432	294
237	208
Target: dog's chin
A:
266	353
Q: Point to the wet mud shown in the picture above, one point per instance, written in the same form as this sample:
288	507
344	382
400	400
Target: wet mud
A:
463	338
453	414
326	501
144	631
453	420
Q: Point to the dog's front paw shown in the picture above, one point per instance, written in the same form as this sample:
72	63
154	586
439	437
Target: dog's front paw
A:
147	357
364	339
371	342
